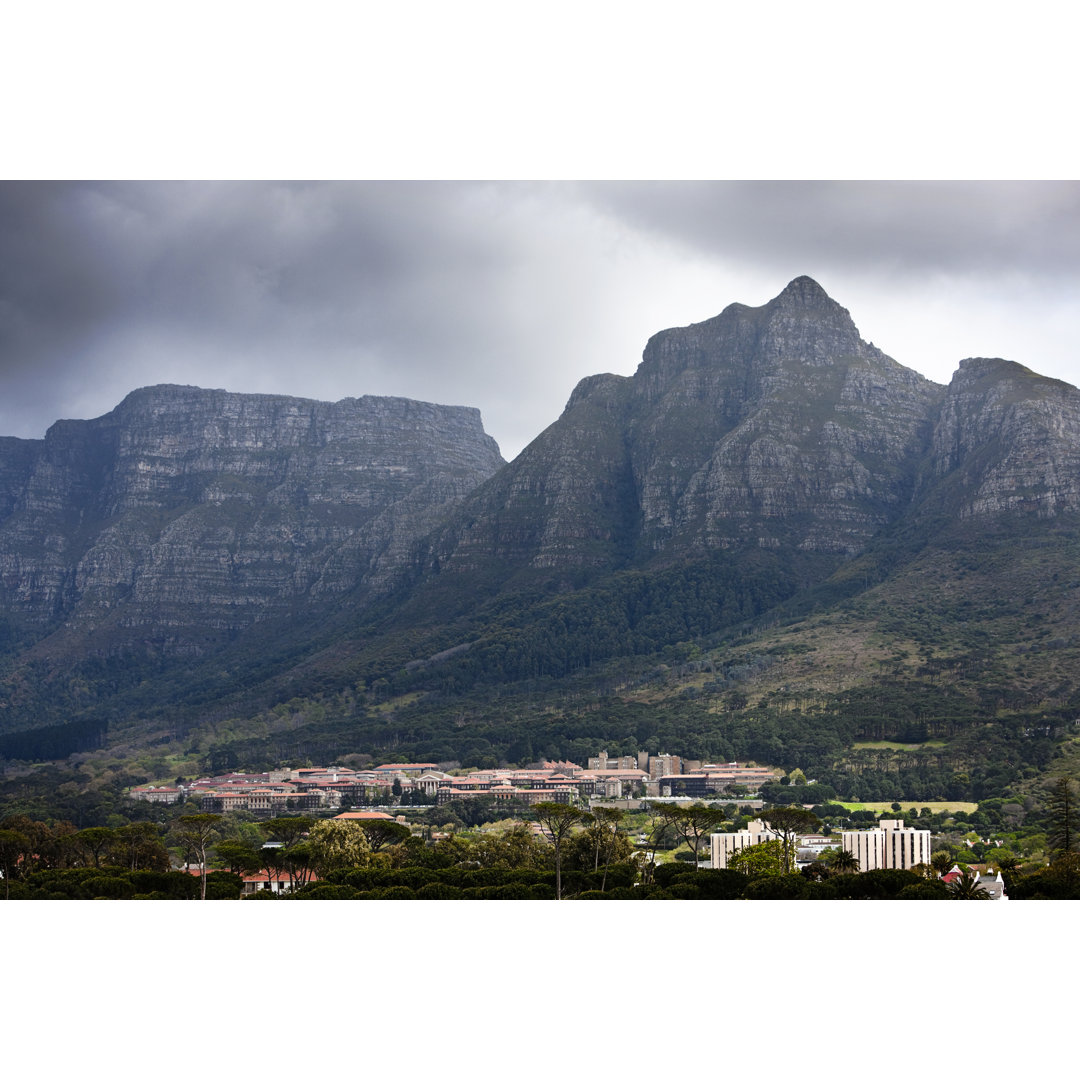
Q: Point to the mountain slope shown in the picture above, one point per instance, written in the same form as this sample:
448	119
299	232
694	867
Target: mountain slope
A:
772	541
764	427
184	516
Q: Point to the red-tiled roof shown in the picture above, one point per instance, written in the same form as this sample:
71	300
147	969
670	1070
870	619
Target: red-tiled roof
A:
275	875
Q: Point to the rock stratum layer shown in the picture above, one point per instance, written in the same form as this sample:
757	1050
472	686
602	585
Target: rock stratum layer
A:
185	513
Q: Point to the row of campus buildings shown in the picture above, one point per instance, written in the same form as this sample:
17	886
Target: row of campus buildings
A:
891	846
313	790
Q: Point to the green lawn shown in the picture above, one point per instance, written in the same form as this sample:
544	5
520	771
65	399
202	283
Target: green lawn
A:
884	744
935	807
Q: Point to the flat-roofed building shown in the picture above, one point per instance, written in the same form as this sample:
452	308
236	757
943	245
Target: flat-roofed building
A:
891	846
725	844
157	793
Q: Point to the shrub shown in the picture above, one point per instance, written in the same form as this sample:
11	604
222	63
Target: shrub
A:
435	890
323	891
778	887
683	890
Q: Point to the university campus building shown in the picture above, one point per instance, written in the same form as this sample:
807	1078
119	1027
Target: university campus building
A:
891	846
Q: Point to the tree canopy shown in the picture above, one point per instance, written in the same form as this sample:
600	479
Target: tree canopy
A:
789	822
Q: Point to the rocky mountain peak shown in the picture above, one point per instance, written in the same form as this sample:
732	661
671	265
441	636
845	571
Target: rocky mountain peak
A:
760	428
803	292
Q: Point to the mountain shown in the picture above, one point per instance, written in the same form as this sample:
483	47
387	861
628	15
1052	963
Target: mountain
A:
184	516
772	541
1007	443
768	427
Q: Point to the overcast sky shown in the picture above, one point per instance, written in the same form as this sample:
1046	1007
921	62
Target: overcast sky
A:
498	295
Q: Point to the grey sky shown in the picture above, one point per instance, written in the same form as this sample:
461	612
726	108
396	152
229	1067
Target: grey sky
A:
498	295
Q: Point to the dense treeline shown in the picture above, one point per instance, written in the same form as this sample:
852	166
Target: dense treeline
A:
111	883
55	741
633	613
602	853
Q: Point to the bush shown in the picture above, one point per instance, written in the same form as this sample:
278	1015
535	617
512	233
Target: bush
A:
436	890
627	892
874	884
778	887
398	892
665	873
618	874
924	890
720	884
683	890
323	891
221	885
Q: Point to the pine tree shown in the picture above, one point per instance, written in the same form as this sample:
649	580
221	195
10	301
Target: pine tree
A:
1062	806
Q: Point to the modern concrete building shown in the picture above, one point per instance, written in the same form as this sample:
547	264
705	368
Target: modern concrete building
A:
891	846
722	845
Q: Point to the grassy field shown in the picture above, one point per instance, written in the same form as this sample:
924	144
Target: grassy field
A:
884	744
935	807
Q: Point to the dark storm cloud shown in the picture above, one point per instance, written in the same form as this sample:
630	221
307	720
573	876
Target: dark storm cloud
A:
497	295
907	227
367	285
228	259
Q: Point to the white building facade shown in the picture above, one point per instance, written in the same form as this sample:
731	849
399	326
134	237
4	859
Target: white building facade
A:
891	846
723	845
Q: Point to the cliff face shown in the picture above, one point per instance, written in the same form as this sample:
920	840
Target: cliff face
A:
775	426
765	427
1007	443
187	512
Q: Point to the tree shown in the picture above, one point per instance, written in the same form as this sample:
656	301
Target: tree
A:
1063	836
300	862
138	847
46	848
287	833
337	845
942	862
758	860
271	862
238	857
839	861
693	823
789	822
608	819
195	833
967	887
380	832
516	849
93	842
659	835
557	819
13	849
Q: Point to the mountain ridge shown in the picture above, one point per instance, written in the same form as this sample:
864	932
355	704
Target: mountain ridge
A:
763	469
201	508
